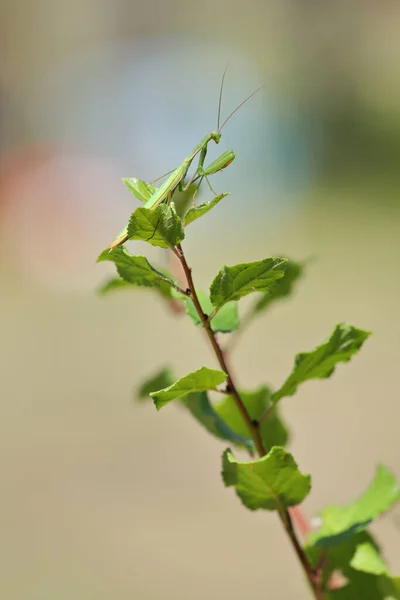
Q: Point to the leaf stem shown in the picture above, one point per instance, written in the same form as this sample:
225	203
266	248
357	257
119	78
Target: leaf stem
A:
267	411
212	314
253	426
180	290
245	320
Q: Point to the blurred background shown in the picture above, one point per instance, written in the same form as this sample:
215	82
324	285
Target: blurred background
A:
104	499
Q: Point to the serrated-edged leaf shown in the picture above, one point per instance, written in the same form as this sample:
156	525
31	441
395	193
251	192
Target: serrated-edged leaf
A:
368	559
199	406
136	270
115	283
160	226
161	379
339	557
340	522
233	283
198	381
226	319
359	561
202	410
272	482
195	212
282	288
140	189
364	586
273	430
320	363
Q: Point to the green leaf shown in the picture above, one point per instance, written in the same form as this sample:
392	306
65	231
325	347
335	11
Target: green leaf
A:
199	381
115	283
271	483
320	363
232	283
195	212
368	559
283	287
391	586
364	586
136	270
341	522
140	189
358	559
339	557
273	430
202	410
226	319
160	380
160	226
364	569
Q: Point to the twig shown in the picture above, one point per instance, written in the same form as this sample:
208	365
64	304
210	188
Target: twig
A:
253	426
230	387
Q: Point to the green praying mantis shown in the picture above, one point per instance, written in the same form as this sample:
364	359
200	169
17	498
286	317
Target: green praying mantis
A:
153	197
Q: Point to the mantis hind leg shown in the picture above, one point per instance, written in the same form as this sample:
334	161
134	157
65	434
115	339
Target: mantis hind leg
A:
201	174
209	185
222	162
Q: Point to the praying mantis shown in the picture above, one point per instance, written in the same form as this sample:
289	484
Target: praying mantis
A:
153	197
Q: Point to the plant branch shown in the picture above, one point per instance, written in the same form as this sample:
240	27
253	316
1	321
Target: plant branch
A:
231	387
312	577
253	426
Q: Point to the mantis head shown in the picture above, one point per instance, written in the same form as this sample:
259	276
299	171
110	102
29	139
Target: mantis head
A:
216	136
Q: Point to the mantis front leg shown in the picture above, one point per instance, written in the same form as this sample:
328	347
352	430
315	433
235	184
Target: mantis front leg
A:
219	164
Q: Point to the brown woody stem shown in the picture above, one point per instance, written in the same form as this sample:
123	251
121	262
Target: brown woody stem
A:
253	426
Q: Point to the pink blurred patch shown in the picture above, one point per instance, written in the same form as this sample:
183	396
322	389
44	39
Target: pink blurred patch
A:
58	210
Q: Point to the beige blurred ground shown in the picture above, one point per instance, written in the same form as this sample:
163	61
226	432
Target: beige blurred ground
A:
104	499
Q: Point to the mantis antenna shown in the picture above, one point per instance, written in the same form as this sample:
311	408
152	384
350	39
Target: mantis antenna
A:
220	96
240	106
